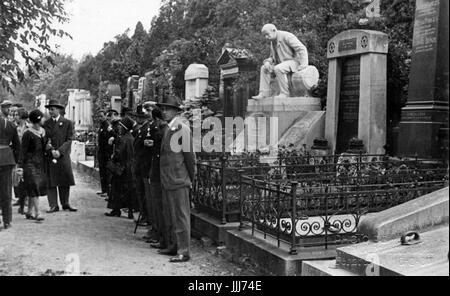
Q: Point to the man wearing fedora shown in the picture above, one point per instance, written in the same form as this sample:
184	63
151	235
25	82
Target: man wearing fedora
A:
59	131
177	168
104	151
9	156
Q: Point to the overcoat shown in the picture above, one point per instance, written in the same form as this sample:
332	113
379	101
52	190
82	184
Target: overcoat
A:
9	143
177	168
61	135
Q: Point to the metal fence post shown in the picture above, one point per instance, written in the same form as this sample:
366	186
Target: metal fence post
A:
241	201
294	186
224	191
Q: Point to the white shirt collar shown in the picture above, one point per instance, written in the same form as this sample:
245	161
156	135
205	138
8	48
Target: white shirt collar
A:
57	118
172	123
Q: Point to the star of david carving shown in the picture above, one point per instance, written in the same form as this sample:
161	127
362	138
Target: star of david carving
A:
364	41
332	47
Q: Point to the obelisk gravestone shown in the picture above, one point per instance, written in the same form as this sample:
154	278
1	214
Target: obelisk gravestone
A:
426	112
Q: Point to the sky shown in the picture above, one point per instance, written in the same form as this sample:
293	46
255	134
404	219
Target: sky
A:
94	22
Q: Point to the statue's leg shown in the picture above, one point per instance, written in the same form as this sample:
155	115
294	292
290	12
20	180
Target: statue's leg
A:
264	84
281	71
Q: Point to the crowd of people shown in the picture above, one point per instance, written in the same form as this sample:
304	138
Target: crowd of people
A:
34	159
140	171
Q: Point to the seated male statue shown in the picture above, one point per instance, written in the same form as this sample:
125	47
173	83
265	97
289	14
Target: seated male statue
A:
287	55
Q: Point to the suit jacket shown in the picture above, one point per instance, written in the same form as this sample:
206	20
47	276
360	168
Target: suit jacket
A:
61	135
9	143
289	48
177	167
158	129
104	149
142	154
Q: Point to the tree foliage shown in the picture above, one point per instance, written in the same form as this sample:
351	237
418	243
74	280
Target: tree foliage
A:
194	31
26	27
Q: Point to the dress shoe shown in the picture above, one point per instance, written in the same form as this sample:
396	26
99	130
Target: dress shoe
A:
29	216
7	226
180	259
157	246
39	219
53	210
70	209
153	241
130	215
113	214
167	252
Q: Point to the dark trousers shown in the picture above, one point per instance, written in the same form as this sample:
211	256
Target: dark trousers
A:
21	194
142	190
177	212
6	193
155	207
52	196
105	175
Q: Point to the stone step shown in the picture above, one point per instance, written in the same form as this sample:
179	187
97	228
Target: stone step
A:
428	258
273	259
324	268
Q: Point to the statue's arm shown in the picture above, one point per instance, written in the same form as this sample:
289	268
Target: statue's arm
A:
300	50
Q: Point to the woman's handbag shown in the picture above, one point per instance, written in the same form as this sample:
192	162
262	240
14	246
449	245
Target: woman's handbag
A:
114	167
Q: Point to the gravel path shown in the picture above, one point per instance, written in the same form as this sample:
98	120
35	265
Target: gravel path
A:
101	245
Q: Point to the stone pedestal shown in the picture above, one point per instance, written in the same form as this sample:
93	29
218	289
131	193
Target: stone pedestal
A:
196	77
356	101
300	119
426	113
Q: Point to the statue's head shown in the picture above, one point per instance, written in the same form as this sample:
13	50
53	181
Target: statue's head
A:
269	32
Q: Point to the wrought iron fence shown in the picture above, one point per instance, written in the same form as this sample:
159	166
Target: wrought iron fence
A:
324	208
217	190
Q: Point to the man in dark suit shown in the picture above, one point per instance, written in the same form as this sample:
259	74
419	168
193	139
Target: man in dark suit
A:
142	162
177	167
59	131
9	156
104	151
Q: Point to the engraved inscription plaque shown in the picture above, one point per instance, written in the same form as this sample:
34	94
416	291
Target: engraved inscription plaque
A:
348	103
347	44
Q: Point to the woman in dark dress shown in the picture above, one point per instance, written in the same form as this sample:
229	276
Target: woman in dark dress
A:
122	183
33	164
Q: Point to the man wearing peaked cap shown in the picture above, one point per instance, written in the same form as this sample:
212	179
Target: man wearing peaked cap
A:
60	132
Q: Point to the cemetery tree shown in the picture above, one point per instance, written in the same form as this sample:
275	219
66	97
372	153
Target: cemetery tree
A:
26	27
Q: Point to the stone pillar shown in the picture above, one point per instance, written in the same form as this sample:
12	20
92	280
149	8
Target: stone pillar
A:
196	77
425	116
356	100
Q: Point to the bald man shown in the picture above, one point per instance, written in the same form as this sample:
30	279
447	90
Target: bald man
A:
287	54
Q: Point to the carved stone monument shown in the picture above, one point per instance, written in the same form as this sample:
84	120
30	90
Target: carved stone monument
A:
196	77
424	124
356	98
115	94
234	62
79	109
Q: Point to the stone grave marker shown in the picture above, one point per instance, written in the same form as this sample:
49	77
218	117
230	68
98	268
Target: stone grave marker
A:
425	116
356	102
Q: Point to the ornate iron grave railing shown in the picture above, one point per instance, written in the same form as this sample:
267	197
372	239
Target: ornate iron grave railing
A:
217	190
325	209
